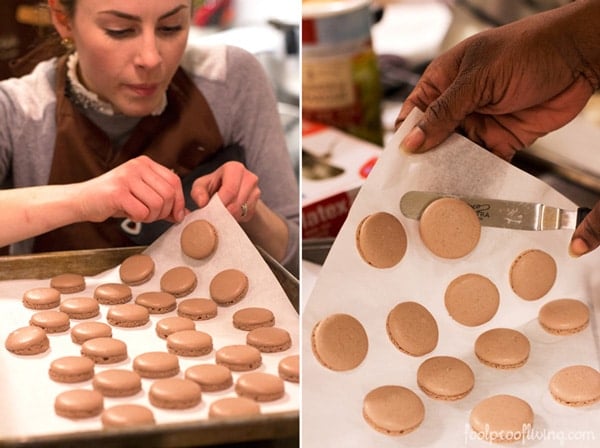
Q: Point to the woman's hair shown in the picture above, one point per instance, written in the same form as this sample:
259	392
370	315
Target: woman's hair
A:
48	46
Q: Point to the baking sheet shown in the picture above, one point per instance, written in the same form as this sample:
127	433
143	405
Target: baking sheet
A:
332	401
26	407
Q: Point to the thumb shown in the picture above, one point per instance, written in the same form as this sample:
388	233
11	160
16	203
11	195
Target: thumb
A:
587	235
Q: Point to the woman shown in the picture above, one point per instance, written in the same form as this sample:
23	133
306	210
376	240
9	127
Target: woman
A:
116	133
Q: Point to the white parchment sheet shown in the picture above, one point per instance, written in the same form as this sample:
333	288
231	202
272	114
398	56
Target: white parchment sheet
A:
332	401
27	393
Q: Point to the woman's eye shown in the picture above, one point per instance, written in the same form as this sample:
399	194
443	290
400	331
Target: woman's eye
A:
119	33
170	29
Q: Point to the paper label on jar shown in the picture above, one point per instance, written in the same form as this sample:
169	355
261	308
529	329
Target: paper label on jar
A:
327	83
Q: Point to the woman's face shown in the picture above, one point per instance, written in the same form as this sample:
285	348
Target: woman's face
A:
130	49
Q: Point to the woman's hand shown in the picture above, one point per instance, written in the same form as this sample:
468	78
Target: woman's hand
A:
139	189
505	87
236	186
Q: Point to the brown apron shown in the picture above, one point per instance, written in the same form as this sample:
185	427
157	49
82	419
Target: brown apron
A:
183	136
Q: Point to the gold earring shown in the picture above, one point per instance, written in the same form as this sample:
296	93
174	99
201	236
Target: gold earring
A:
67	43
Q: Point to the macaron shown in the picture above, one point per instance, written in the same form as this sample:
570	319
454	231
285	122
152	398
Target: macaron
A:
449	228
564	316
117	383
229	407
412	328
381	240
51	320
472	299
136	269
445	378
576	386
239	358
27	341
502	348
71	369
393	410
197	309
210	377
532	274
253	317
157	302
41	298
168	325
179	281
228	287
260	386
339	342
68	283
199	239
128	315
269	339
112	293
79	403
127	415
104	350
156	365
190	343
80	307
288	368
501	418
174	393
90	330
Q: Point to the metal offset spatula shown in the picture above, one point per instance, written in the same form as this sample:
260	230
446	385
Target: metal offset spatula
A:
501	213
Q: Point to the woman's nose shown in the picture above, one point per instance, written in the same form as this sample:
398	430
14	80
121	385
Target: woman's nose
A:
148	54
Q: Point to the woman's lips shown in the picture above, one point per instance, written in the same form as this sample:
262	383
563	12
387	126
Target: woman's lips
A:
143	89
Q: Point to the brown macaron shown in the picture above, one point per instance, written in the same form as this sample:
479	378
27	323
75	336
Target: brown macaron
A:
289	368
80	308
197	309
269	339
381	240
532	274
502	348
228	287
112	293
27	341
501	418
179	281
393	410
117	383
51	320
71	369
156	365
339	342
449	228
79	403
41	298
260	386
68	283
90	330
253	317
239	358
412	328
128	315
564	316
136	269
576	386
104	350
229	407
472	299
157	302
127	415
199	239
190	343
169	325
210	377
445	378
175	393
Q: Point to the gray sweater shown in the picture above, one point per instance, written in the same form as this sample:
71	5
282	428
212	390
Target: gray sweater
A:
237	90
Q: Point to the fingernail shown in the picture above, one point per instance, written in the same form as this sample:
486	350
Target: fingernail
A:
578	247
413	140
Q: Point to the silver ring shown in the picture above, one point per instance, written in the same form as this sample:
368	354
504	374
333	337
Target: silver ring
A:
244	208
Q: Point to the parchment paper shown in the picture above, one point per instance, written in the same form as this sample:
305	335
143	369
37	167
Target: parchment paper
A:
332	401
27	393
